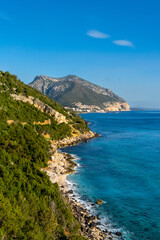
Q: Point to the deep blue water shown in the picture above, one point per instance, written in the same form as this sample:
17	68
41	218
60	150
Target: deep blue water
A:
122	167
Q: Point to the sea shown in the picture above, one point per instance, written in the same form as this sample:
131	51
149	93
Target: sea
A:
122	168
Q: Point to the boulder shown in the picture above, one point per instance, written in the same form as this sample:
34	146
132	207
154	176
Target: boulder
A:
92	225
70	192
119	234
99	201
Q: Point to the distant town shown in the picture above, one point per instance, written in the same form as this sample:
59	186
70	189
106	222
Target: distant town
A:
79	108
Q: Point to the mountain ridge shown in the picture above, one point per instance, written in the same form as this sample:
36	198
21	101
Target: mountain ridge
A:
78	94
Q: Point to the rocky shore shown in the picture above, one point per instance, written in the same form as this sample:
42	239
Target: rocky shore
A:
70	141
62	164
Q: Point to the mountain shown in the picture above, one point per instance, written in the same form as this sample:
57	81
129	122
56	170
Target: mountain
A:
78	94
31	207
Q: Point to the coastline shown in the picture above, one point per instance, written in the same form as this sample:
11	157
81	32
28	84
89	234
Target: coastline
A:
59	166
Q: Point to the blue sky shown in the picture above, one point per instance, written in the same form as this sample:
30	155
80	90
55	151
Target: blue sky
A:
115	44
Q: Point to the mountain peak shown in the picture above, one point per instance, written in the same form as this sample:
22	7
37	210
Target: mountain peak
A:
71	76
74	92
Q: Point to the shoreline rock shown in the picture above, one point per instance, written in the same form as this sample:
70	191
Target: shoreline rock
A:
70	141
99	201
62	164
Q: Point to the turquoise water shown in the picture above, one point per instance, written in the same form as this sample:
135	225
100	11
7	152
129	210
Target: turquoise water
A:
122	167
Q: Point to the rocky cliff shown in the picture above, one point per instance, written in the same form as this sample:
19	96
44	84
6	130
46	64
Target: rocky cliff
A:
60	118
79	95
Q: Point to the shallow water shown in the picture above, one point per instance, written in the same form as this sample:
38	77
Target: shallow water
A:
122	167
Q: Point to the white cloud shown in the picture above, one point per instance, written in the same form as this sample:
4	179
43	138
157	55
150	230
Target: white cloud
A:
123	43
97	34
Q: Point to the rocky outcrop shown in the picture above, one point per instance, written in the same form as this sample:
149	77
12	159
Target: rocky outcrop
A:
69	141
60	118
99	201
89	223
117	106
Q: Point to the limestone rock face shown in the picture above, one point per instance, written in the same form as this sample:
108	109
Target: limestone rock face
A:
22	98
60	118
117	106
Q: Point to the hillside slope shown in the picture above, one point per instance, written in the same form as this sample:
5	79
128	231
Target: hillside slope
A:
78	94
31	207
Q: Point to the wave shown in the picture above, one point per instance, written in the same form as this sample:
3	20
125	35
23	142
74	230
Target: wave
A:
104	222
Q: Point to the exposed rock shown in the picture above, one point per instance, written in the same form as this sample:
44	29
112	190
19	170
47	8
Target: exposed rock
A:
60	118
99	201
92	224
10	122
93	205
69	141
117	106
20	97
57	170
119	234
70	191
58	167
105	107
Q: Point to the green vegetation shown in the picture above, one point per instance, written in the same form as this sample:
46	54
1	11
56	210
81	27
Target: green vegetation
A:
24	112
79	93
55	131
26	193
72	89
31	207
13	85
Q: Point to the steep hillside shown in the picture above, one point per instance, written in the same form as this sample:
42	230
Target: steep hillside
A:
31	207
79	94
